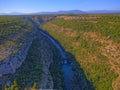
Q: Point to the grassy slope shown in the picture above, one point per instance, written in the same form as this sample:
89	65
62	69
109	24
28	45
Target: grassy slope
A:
79	34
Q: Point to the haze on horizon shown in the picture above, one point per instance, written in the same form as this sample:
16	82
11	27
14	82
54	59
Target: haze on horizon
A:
30	6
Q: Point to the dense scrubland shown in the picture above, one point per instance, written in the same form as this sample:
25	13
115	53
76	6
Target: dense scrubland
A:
94	41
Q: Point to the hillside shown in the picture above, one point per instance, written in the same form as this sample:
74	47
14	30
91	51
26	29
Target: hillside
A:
94	41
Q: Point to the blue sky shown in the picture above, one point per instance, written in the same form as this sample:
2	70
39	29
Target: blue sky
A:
29	6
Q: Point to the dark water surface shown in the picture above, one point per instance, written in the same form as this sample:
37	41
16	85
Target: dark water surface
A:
68	74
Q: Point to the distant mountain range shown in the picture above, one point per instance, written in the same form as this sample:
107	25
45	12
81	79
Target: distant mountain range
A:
63	12
104	12
67	12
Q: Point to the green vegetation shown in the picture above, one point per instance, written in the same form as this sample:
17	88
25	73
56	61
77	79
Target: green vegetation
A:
86	36
13	87
10	25
108	25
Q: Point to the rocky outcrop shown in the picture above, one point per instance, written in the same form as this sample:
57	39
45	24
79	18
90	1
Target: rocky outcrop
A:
13	62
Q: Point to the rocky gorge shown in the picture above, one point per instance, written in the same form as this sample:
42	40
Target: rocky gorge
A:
42	63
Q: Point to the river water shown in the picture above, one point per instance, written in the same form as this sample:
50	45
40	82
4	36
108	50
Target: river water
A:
68	74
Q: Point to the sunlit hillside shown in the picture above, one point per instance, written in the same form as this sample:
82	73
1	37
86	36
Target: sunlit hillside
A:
94	40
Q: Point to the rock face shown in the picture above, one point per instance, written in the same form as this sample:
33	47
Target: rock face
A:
13	62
